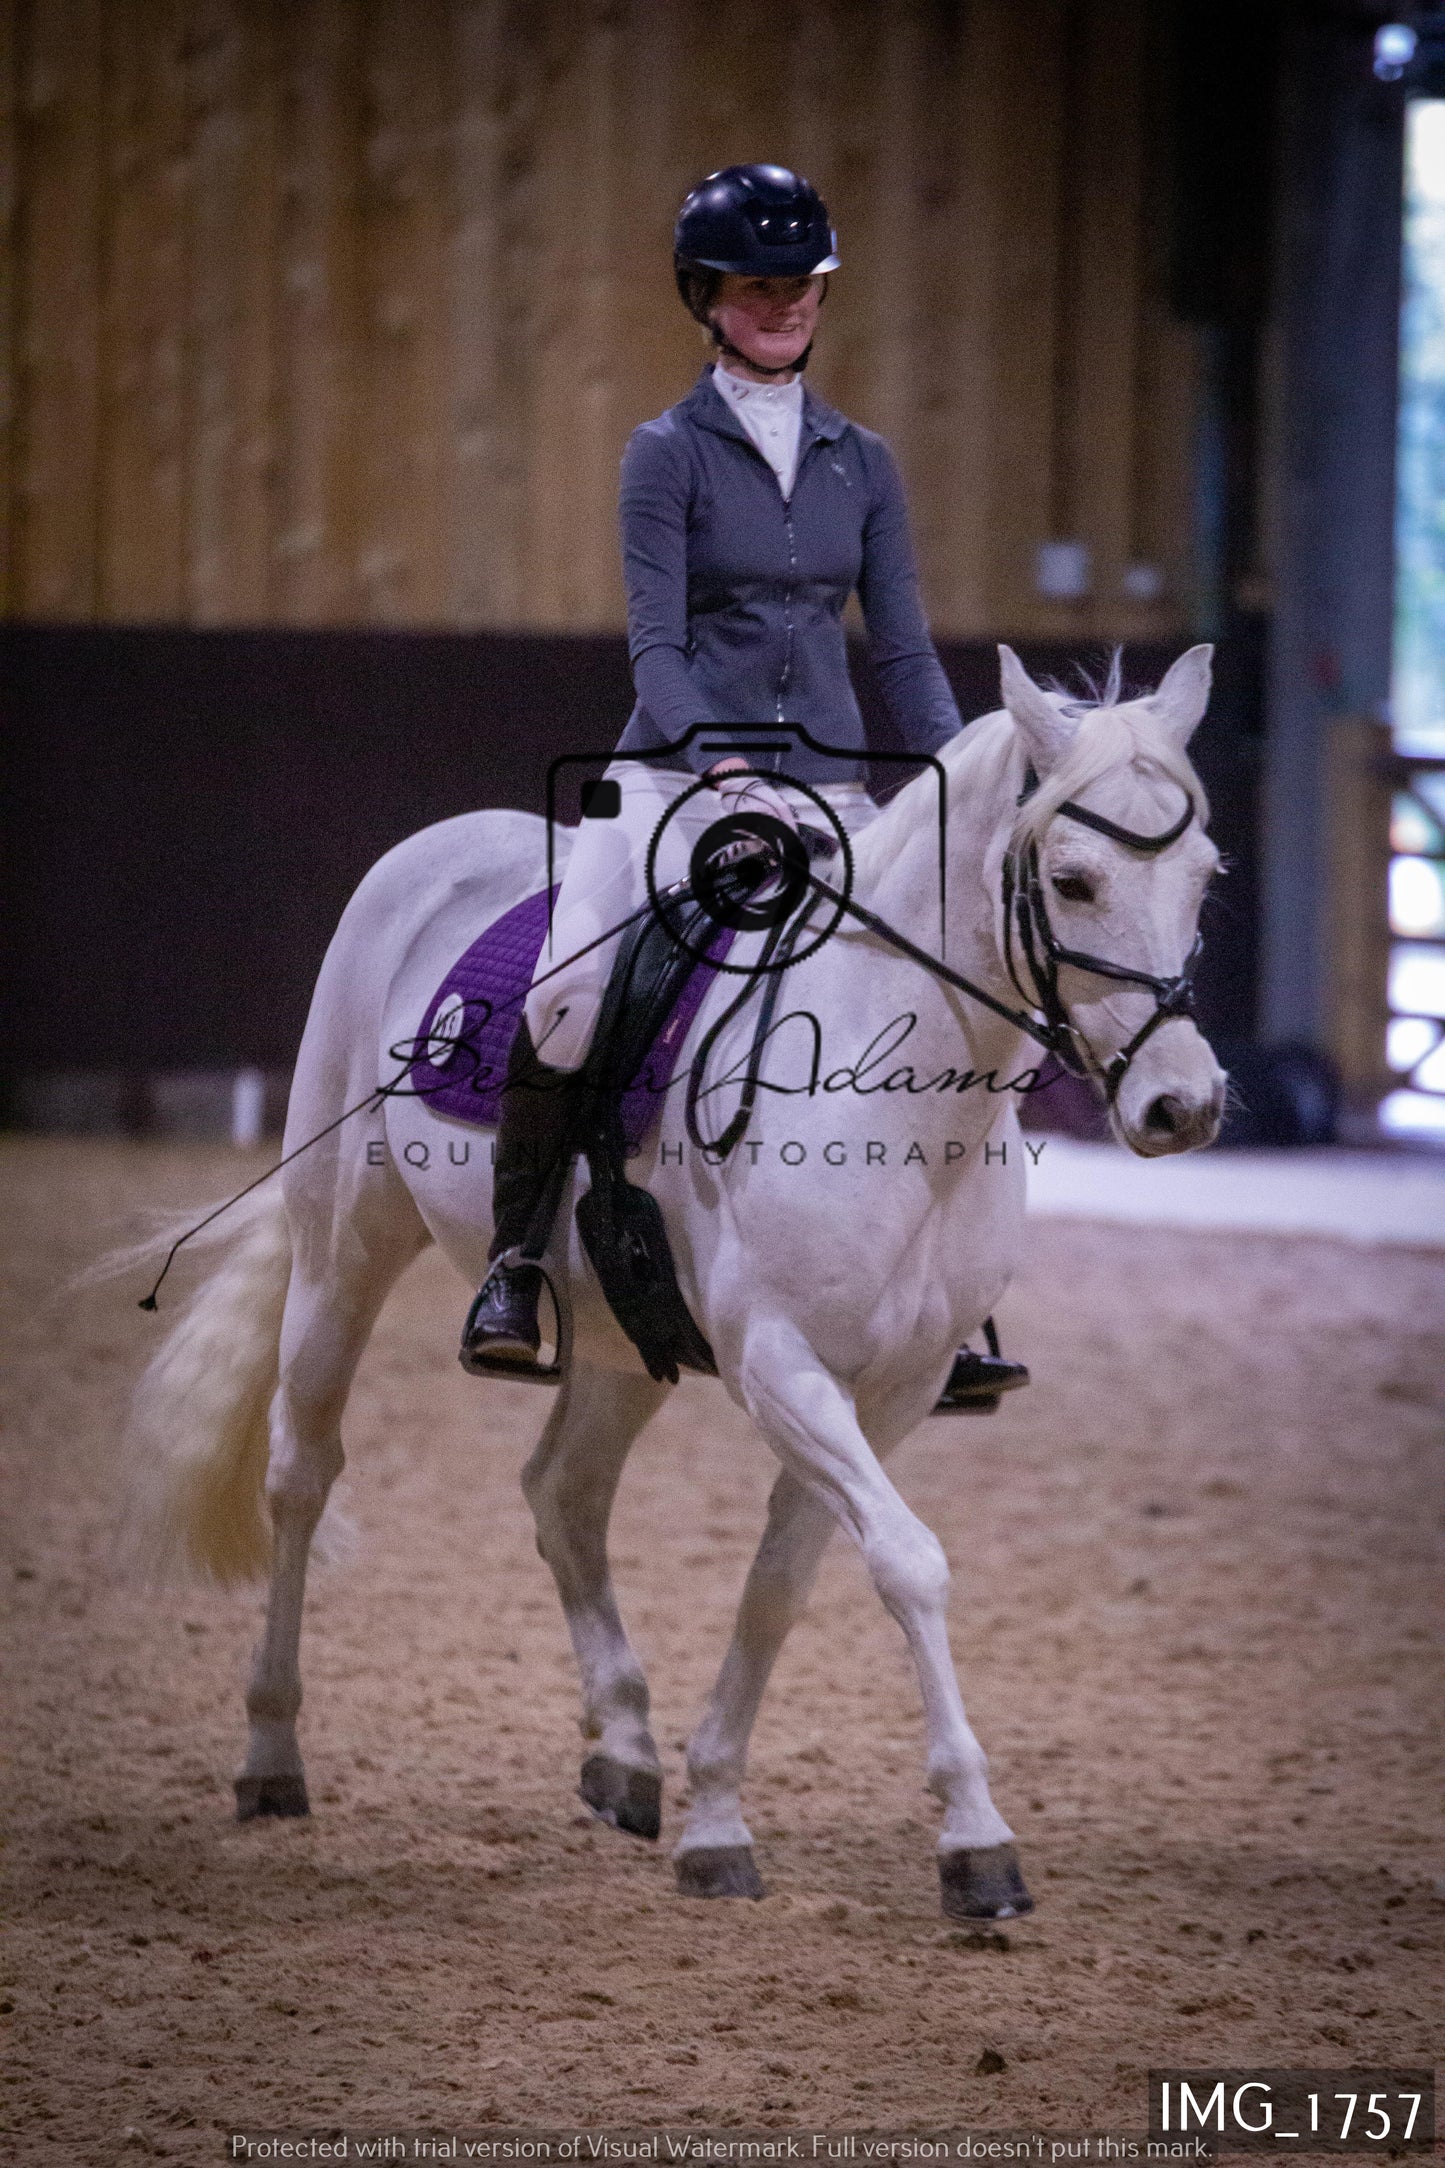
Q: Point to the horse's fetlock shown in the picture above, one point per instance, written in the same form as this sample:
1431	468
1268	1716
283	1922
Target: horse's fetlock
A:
621	1698
712	1768
957	1770
272	1701
629	1693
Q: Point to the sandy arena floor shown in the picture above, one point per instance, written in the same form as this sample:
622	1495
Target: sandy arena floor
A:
1195	1568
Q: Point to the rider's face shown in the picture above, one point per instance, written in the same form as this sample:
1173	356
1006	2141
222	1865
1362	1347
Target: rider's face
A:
770	321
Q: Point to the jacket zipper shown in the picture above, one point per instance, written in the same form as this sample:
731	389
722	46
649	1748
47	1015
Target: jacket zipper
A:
791	591
787	669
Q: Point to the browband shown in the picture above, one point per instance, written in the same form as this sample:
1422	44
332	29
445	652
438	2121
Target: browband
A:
1103	827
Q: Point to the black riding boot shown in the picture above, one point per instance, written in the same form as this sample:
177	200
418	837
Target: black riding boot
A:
977	1383
543	1121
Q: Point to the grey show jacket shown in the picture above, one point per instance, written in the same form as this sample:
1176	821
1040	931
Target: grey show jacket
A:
735	598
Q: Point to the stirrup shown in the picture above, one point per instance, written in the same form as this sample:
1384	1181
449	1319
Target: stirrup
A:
501	1337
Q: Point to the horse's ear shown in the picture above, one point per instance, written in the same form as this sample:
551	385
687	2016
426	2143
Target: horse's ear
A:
1183	693
1047	734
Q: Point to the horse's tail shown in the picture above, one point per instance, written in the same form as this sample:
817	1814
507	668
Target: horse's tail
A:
197	1440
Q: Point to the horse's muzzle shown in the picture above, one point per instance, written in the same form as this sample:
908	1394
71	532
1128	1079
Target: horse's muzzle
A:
1174	1101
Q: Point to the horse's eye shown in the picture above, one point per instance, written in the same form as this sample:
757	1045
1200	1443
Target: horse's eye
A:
1074	888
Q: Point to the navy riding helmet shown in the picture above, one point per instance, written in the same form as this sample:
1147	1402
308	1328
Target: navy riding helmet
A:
759	221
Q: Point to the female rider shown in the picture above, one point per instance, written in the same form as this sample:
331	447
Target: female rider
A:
749	513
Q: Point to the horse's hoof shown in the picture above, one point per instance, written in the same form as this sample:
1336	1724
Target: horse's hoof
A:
983	1885
719	1870
270	1795
628	1798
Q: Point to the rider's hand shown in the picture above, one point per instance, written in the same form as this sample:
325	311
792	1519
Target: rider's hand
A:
743	792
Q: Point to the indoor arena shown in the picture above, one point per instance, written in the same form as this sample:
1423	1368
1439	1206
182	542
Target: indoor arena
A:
1018	1194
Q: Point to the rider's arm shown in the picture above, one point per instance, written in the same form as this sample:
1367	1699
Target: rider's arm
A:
653	511
910	675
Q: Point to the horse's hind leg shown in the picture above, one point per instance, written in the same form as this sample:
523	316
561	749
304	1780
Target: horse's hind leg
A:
715	1855
344	1265
570	1483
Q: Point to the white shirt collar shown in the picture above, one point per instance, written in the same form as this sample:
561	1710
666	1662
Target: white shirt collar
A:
742	392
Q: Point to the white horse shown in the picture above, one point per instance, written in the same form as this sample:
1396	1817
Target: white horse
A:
834	1261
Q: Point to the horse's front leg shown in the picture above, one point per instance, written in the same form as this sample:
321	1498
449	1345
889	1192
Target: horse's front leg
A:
812	1425
570	1483
715	1855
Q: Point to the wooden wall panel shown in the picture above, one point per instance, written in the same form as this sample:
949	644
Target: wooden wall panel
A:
481	414
9	264
1024	69
579	345
58	373
1162	405
403	441
657	164
317	315
228	498
340	311
144	330
1103	275
957	240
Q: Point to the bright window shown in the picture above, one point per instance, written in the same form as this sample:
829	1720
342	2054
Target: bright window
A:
1414	1047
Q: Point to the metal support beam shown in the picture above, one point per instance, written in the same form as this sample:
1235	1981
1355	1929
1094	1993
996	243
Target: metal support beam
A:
1337	297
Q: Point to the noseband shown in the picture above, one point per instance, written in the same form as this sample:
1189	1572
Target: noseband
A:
1029	937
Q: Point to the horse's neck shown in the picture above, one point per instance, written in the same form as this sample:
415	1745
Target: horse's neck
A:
897	858
855	977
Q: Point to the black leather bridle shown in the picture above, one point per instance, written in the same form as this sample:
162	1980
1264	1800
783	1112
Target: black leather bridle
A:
1027	923
1029	938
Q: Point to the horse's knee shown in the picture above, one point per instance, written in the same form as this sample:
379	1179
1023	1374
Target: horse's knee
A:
909	1567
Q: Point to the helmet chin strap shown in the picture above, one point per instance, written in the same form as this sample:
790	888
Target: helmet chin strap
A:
726	346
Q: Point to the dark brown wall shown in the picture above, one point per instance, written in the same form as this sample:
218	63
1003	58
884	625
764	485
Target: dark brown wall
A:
185	813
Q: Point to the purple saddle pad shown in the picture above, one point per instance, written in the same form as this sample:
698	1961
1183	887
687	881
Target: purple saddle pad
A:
461	1050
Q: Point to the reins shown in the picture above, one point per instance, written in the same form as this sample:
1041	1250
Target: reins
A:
776	951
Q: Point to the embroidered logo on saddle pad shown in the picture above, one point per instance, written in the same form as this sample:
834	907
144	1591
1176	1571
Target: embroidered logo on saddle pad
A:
467	1031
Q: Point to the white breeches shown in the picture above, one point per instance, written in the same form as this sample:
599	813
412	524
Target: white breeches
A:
606	883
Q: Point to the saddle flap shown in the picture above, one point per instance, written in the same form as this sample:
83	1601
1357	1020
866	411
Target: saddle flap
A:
623	1234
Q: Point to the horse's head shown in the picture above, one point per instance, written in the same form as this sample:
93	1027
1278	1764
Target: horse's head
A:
1108	867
